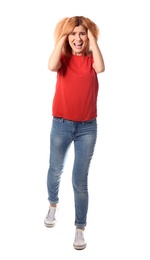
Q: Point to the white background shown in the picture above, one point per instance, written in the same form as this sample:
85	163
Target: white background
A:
119	187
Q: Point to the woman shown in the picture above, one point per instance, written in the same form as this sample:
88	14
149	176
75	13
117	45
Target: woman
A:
77	59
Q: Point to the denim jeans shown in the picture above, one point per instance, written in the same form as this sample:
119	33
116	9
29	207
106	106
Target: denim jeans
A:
83	135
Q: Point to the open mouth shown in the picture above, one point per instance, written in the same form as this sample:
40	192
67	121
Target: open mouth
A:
78	45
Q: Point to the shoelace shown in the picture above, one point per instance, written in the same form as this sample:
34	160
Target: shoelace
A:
51	213
79	235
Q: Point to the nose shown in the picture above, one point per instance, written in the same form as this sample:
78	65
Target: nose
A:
78	36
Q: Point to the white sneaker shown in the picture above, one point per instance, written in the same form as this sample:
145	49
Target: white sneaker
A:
50	219
79	241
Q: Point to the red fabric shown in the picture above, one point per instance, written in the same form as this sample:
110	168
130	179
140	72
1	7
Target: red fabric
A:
76	89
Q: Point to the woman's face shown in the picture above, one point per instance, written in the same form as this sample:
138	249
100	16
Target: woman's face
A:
78	40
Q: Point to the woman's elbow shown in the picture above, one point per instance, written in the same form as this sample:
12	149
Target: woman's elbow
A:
53	67
100	70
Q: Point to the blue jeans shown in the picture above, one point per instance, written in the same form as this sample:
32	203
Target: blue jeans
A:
83	135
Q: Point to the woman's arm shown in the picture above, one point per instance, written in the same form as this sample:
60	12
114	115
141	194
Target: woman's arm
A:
98	65
54	62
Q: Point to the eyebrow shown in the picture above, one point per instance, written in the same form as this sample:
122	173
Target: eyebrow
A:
79	31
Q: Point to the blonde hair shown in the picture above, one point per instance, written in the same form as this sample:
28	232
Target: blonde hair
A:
66	25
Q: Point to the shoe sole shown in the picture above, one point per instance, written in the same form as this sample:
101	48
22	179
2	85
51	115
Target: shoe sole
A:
79	247
49	225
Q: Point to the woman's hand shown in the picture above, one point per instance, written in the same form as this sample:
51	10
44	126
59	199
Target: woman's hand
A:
65	30
98	64
91	37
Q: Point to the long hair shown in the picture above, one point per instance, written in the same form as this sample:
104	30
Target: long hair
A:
66	25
